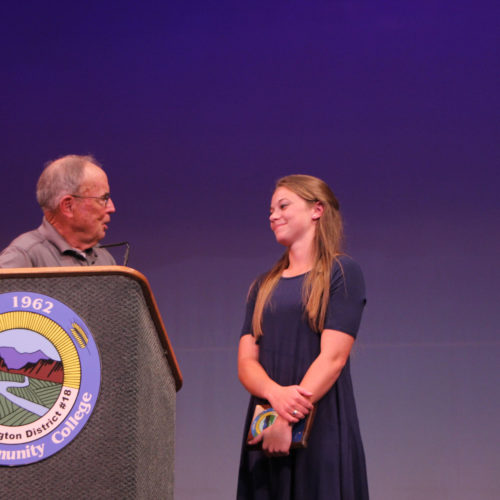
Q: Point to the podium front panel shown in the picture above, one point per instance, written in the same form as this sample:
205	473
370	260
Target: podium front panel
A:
126	450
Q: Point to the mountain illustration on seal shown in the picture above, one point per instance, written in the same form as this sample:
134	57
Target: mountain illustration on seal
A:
32	364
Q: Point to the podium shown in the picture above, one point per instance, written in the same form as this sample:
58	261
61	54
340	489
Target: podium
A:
126	448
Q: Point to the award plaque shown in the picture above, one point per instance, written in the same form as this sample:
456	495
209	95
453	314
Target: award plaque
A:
264	416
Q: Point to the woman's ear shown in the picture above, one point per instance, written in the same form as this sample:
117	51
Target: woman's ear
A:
317	210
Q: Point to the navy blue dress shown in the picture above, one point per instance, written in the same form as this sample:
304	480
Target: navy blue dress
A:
333	464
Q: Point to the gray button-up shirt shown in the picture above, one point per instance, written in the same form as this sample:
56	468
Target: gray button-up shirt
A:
45	247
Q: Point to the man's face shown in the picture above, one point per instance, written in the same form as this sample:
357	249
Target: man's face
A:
91	215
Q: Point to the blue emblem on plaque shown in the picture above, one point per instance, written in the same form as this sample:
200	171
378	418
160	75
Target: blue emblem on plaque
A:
50	374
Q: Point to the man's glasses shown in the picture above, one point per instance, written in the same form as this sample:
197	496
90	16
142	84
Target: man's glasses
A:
104	198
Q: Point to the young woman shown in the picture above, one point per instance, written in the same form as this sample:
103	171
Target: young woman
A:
301	321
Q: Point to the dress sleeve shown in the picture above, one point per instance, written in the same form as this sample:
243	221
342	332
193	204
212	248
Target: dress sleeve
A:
347	297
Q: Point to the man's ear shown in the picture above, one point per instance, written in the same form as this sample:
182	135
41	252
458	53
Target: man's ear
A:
317	210
66	205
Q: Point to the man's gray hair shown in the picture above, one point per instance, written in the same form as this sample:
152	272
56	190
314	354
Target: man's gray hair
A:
61	177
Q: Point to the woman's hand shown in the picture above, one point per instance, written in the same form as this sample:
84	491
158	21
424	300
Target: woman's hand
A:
292	402
276	439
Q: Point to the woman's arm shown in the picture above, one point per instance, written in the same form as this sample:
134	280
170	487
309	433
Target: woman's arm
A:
325	369
284	399
277	438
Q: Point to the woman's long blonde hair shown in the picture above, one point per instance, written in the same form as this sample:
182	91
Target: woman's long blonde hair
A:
327	247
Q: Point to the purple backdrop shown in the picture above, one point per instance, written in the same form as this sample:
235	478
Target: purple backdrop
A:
196	108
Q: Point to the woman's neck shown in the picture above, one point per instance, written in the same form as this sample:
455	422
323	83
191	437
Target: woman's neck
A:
301	260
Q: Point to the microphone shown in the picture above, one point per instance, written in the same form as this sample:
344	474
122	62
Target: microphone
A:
121	244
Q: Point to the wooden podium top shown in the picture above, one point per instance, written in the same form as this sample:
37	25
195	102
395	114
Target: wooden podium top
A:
44	272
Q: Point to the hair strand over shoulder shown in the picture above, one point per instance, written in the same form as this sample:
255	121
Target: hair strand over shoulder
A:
327	247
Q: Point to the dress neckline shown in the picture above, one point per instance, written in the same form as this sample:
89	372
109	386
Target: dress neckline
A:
294	277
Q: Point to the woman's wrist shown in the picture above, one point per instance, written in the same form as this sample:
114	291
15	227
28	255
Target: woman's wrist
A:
271	392
283	422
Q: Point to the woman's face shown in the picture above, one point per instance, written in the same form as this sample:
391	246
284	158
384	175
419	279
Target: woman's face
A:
292	218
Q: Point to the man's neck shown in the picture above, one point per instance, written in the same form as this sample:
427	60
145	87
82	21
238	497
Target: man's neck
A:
66	232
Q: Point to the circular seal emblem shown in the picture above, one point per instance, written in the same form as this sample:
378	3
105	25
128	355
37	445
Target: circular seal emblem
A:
262	420
50	374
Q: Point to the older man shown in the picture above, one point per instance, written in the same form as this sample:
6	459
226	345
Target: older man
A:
73	192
